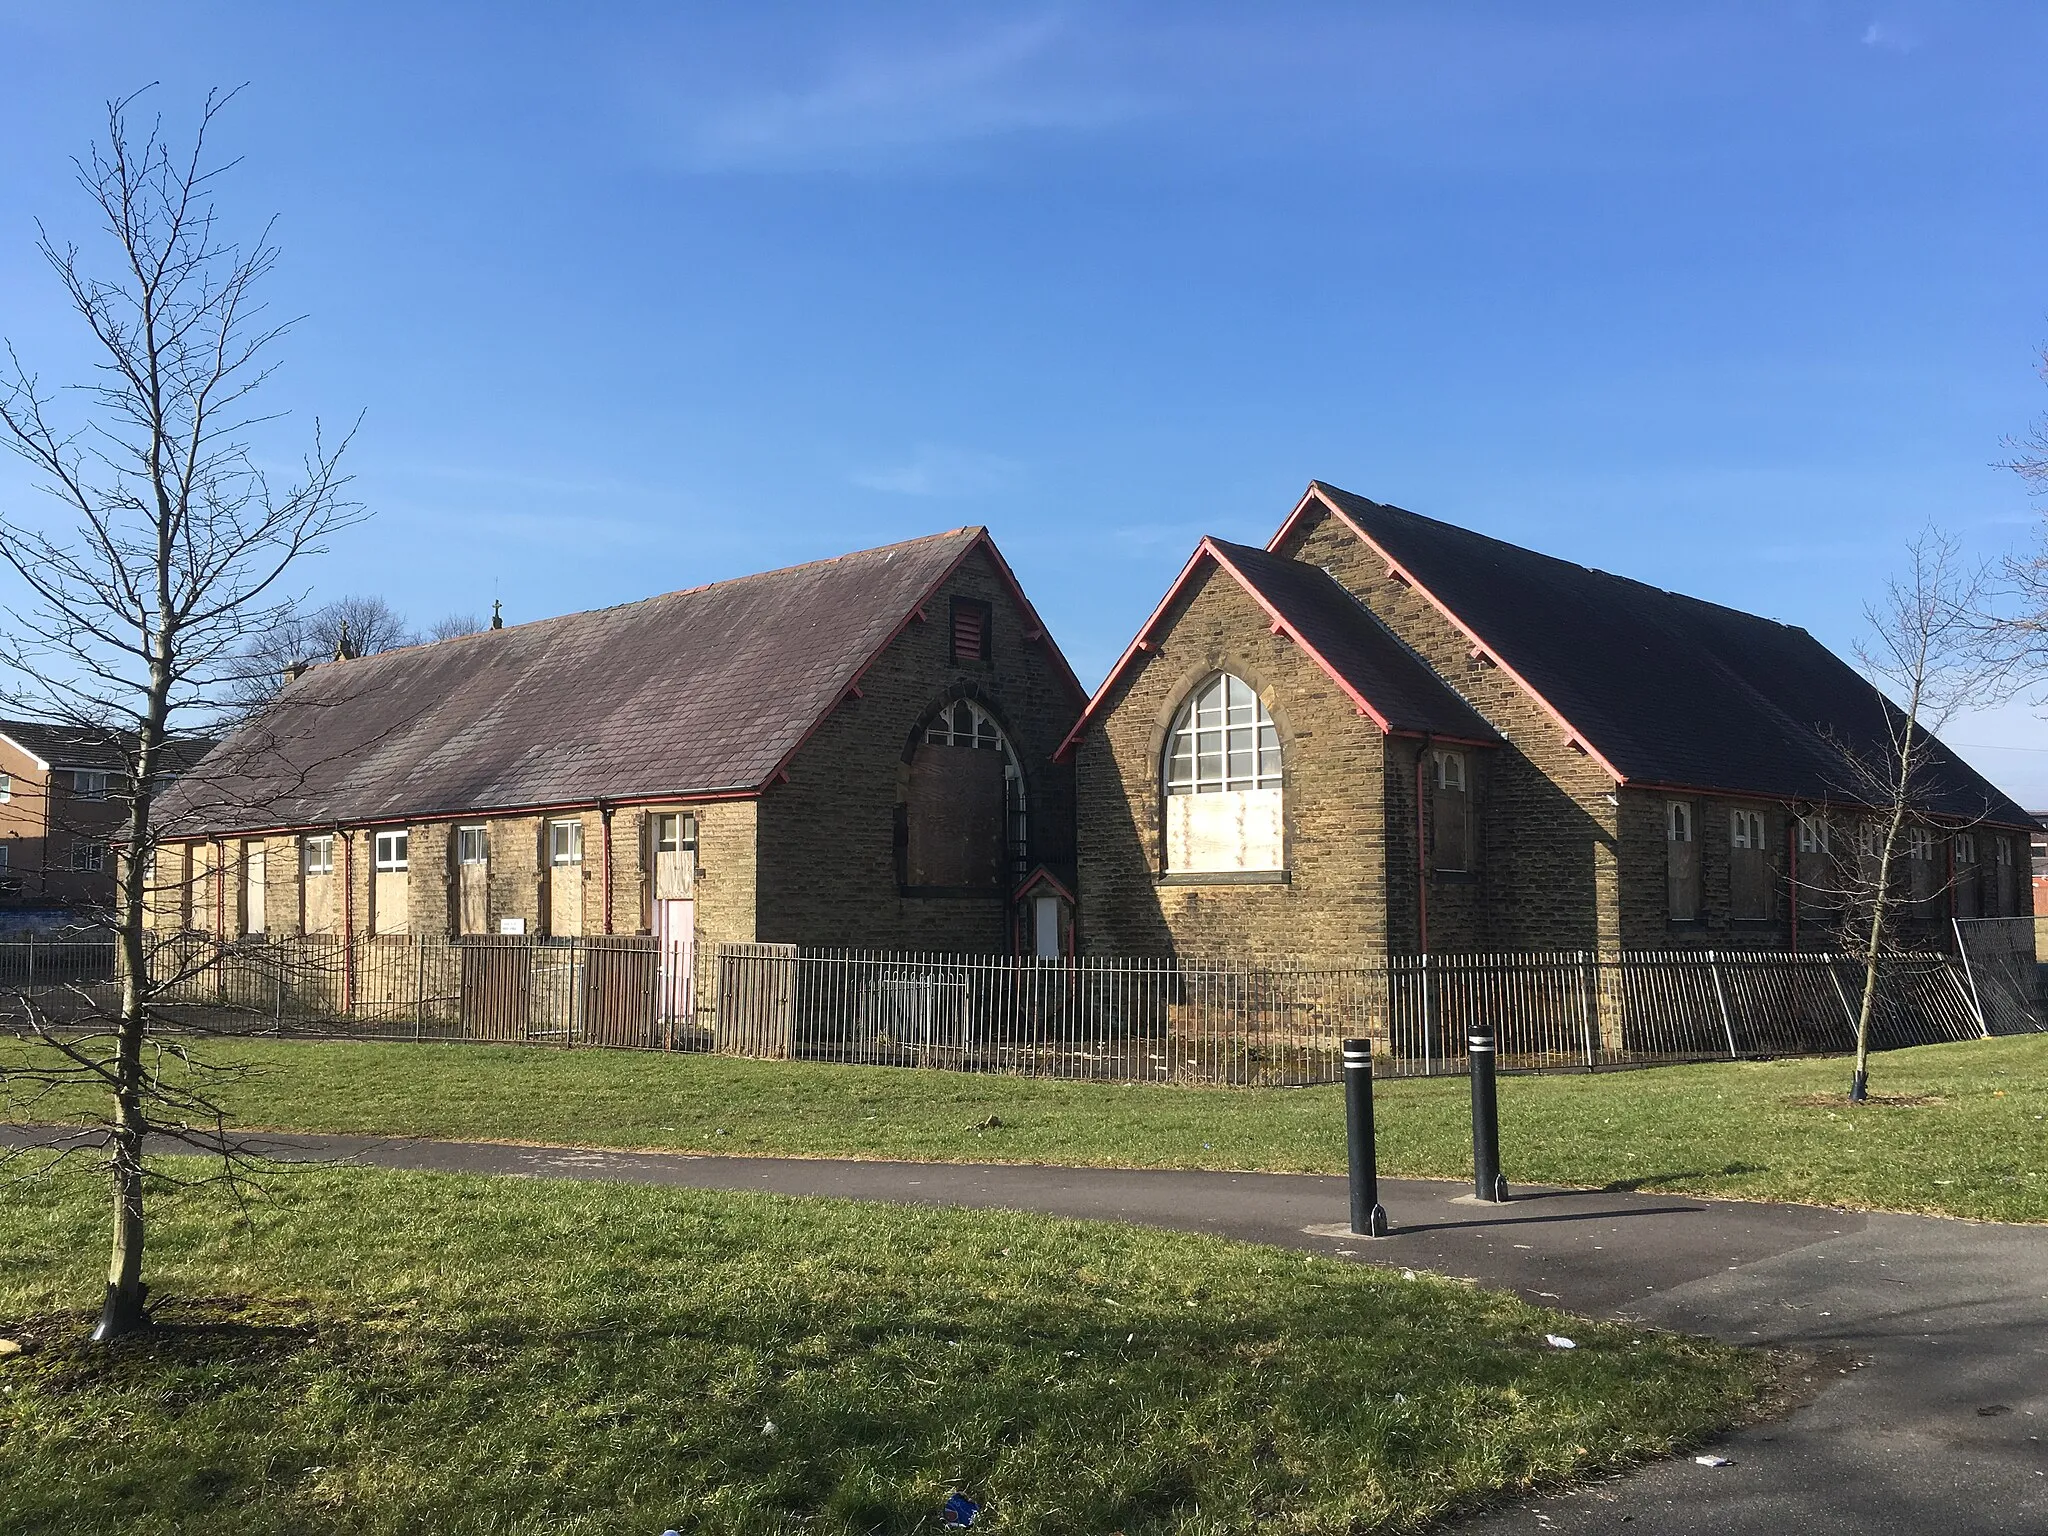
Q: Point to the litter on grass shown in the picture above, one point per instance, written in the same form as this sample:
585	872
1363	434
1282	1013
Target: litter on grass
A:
1558	1341
959	1511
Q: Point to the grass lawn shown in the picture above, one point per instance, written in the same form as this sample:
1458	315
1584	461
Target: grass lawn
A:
1971	1140
370	1353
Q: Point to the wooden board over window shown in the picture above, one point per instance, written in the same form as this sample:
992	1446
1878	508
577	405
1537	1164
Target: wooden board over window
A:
1749	867
954	818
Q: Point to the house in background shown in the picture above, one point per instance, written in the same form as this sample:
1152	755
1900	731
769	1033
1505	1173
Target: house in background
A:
1383	734
854	752
63	803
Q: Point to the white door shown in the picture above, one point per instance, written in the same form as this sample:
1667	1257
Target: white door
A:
675	941
252	889
1045	927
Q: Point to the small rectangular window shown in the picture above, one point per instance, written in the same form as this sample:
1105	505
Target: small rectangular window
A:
970	630
6	854
1746	829
1678	821
6	786
2002	851
391	851
89	783
320	854
1966	847
565	842
472	845
1450	770
90	857
675	833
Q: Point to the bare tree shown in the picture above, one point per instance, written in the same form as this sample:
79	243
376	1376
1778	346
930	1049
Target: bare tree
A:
454	625
1927	648
359	625
166	556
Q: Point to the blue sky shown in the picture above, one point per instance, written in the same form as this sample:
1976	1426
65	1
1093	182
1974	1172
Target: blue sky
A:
1729	298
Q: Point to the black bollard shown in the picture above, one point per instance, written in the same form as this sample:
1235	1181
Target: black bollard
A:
1368	1216
1487	1183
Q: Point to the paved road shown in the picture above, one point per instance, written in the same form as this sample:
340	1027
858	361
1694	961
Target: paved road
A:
1924	1324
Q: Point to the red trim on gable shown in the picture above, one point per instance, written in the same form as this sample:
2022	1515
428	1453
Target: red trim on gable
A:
1042	876
1207	550
1314	494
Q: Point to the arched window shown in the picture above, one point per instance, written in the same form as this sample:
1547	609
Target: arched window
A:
1223	810
966	821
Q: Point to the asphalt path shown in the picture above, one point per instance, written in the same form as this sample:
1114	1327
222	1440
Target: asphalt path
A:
1929	1336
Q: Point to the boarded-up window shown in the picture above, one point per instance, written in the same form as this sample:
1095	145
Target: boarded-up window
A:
1450	819
1922	866
390	894
1223	783
1968	877
254	905
1820	882
1749	867
1681	861
970	630
320	908
565	878
672	850
2001	898
473	878
953	817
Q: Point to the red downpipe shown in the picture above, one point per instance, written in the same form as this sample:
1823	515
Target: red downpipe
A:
604	813
348	923
1421	855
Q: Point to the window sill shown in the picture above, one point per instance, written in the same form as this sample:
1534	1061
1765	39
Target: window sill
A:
1687	924
1454	877
1227	877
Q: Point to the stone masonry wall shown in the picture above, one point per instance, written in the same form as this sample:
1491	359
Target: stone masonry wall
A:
1549	837
1334	902
828	872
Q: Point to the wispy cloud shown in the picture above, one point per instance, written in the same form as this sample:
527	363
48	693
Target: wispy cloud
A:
939	471
1891	36
873	106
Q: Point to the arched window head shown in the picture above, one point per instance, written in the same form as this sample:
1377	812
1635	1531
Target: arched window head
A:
966	818
1223	782
1223	741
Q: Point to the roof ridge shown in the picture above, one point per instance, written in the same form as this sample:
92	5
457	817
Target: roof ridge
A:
976	529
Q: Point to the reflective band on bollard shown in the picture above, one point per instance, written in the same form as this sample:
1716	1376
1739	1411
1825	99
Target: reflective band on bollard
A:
1487	1183
1368	1216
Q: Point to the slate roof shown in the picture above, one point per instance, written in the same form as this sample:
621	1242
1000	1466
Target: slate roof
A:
1348	641
73	746
1404	694
695	692
1667	689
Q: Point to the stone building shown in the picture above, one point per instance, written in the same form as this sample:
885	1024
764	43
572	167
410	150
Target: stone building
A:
856	752
1384	734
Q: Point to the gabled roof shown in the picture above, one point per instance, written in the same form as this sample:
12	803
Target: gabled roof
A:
701	692
1383	678
1662	689
93	747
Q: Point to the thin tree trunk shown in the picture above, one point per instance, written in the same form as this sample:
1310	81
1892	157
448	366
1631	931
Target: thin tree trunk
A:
1873	952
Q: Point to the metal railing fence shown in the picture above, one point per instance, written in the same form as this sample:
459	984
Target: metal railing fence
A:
1113	1019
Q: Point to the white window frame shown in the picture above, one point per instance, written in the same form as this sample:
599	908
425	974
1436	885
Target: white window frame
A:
6	854
392	852
1966	847
88	783
675	832
1920	844
88	857
2001	851
1813	834
472	845
964	723
1746	829
1678	821
6	787
1450	769
316	854
565	843
1220	723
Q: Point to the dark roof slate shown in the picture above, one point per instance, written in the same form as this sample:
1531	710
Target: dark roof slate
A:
1668	689
1356	645
694	692
76	746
